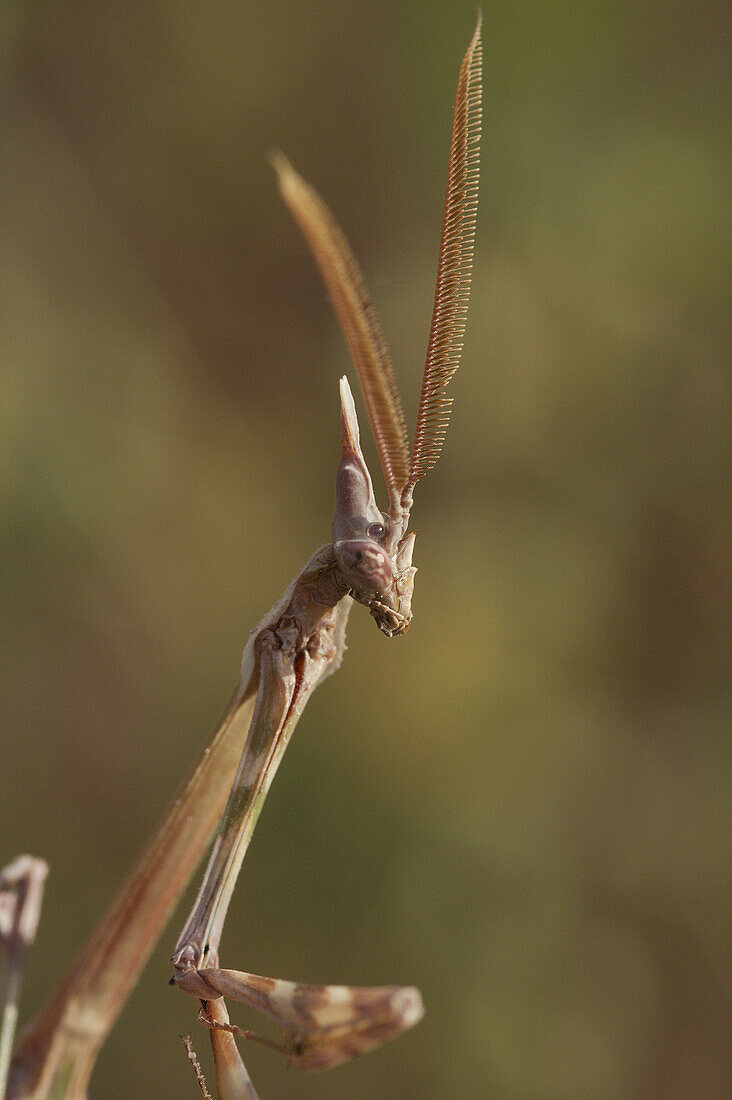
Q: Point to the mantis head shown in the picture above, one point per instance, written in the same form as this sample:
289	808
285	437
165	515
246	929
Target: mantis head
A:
373	549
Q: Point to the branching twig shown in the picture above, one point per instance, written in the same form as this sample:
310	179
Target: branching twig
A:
21	896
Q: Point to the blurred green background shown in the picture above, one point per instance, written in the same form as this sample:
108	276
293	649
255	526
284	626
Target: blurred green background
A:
520	806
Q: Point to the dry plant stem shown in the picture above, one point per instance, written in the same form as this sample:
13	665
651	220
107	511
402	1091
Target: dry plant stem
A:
21	897
55	1054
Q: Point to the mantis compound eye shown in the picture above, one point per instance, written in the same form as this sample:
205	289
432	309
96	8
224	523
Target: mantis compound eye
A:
376	531
365	567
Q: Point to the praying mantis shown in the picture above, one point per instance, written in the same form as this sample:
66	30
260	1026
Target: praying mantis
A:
295	646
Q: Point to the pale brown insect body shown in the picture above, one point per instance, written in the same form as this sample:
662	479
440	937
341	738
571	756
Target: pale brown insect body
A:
370	560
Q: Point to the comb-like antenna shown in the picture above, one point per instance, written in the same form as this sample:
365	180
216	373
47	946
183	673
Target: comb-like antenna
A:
453	271
342	277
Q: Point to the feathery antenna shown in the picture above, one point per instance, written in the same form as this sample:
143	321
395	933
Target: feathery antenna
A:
454	269
342	277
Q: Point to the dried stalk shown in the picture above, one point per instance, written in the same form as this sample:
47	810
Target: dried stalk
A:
21	896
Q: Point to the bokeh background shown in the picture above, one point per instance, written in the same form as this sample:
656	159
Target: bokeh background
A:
520	806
